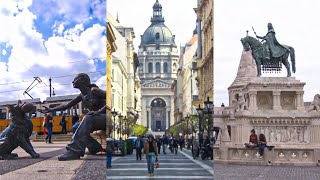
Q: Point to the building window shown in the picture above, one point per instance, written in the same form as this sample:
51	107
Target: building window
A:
165	67
158	68
157	36
158	47
150	68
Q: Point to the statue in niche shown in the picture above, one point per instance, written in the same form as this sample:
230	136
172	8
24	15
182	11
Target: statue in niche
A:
289	130
315	104
294	135
267	133
278	134
300	134
283	134
272	136
305	134
240	102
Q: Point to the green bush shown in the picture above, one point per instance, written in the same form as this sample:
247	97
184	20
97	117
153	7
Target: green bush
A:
130	146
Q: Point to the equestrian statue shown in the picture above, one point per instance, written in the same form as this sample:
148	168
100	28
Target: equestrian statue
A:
270	54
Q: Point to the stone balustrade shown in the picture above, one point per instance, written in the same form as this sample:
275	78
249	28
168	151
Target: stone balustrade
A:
297	156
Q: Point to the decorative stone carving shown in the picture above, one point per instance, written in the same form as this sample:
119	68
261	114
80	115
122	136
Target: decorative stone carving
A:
157	84
287	100
315	105
264	100
284	134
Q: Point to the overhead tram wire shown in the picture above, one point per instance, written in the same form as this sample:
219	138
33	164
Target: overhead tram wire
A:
101	70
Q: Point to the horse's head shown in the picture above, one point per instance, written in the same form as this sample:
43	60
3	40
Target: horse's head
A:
245	43
249	42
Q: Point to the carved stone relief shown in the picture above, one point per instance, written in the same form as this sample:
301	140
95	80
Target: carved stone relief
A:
284	134
288	100
157	84
264	100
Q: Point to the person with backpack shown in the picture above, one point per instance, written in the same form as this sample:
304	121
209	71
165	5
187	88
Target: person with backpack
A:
48	126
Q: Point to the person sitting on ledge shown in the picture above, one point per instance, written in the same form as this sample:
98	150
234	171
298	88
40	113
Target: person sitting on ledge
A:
253	140
262	143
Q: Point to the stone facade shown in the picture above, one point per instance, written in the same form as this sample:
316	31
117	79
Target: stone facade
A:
111	47
205	65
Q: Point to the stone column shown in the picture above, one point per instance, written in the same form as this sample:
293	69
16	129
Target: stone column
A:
276	100
172	110
150	125
300	102
167	118
253	100
144	113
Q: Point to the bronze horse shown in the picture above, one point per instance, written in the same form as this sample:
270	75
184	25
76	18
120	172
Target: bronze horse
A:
258	53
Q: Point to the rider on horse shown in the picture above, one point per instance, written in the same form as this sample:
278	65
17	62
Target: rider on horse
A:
273	48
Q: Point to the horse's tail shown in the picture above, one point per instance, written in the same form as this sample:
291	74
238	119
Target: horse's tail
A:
293	59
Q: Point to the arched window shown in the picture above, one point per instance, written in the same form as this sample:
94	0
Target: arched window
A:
157	36
150	70
165	67
158	67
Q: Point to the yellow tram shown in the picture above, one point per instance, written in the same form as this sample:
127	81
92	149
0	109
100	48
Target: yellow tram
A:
38	118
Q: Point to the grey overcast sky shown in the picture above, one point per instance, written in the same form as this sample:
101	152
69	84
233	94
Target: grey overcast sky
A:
179	16
296	24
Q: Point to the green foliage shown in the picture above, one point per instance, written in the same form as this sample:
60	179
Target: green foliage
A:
139	130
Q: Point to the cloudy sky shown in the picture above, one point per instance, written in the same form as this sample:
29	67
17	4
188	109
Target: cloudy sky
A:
296	24
179	16
50	38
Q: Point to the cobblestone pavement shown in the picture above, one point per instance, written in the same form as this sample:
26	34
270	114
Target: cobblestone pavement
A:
245	172
180	166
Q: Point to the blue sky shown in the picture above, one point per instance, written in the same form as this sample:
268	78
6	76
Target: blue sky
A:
50	38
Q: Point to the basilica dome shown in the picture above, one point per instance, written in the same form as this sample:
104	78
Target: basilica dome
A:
157	34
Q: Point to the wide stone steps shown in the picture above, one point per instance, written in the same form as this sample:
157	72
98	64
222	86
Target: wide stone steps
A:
55	137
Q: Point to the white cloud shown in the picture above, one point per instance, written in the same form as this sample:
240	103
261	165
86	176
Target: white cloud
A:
32	56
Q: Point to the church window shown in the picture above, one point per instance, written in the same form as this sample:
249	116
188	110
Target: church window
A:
165	67
157	36
150	68
158	67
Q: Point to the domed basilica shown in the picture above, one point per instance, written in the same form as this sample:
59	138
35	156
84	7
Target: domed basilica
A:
158	56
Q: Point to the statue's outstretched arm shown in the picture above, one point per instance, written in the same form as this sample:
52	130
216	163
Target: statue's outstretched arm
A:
63	106
261	37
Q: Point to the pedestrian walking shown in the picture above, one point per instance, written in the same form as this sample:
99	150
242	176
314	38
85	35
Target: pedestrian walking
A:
159	141
165	142
109	151
63	123
151	152
175	145
195	148
139	146
181	142
171	144
44	125
48	126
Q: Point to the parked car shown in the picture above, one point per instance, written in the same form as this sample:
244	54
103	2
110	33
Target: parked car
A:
133	138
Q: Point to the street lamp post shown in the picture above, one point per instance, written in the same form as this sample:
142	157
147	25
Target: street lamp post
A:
208	104
187	118
120	125
114	114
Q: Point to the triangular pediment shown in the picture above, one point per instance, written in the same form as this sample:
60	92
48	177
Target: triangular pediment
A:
156	84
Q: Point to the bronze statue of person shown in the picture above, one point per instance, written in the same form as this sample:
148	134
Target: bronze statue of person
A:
273	47
94	99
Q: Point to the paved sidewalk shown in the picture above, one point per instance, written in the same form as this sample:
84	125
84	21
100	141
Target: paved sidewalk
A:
48	167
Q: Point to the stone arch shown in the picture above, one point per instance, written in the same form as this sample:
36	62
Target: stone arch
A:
165	67
158	67
158	114
150	69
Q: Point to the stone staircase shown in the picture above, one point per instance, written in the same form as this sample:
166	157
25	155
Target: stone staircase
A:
55	137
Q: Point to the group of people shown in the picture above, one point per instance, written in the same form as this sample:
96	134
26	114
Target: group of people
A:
260	142
48	124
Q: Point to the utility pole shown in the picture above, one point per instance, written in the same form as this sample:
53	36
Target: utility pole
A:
50	85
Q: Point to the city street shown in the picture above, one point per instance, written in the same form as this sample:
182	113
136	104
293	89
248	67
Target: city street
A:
180	166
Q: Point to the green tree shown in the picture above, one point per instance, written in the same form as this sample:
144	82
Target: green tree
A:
139	130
